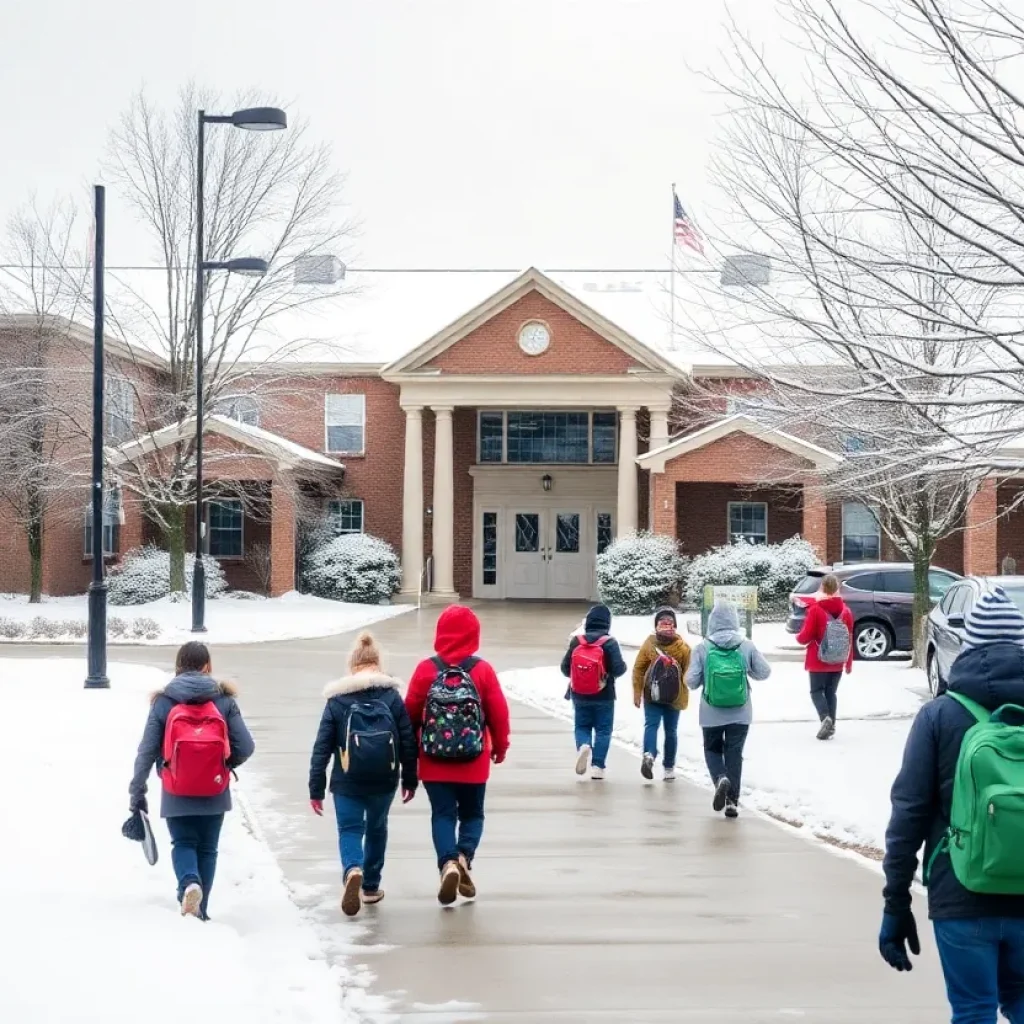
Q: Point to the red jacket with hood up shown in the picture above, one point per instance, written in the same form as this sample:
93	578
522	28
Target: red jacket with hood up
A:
814	631
457	638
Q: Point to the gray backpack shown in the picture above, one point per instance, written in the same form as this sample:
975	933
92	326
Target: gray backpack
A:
834	648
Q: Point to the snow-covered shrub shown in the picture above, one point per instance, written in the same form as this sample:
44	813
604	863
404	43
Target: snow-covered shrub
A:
116	627
144	628
353	567
144	575
43	628
77	628
638	572
773	568
12	629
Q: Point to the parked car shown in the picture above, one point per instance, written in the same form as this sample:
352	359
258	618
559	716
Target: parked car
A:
945	634
881	597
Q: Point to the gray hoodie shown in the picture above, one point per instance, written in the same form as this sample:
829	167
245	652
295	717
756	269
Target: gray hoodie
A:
724	631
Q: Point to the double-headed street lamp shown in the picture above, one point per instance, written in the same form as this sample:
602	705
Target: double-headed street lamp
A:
260	119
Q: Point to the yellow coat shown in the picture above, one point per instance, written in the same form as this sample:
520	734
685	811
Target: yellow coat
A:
678	649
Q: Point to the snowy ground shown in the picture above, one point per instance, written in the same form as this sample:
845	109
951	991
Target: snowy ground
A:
99	937
229	620
838	790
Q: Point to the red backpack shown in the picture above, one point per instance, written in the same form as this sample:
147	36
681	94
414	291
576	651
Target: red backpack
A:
196	751
586	667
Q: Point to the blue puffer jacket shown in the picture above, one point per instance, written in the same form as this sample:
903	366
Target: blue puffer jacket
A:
189	688
922	794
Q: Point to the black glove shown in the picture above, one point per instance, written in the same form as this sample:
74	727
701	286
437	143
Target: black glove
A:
139	803
898	931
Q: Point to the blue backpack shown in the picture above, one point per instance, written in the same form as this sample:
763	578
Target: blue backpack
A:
369	751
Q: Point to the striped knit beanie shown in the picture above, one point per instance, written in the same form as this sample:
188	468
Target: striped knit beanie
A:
994	619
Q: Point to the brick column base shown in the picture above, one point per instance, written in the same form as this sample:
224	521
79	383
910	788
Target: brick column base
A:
815	530
662	513
980	532
282	540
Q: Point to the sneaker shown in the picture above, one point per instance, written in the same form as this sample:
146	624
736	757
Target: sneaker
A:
191	898
828	727
669	775
373	895
466	887
721	794
583	759
449	887
647	766
731	810
597	773
350	899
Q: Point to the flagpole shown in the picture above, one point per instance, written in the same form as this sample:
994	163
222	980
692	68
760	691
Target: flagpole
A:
672	277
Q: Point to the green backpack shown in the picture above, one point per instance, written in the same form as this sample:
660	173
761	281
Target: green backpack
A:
725	677
986	831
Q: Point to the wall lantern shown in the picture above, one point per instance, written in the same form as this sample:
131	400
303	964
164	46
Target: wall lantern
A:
545	481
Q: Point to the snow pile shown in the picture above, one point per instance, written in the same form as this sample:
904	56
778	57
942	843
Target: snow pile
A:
353	567
773	568
100	939
144	575
638	572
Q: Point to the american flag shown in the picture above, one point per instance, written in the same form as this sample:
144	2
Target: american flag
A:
684	231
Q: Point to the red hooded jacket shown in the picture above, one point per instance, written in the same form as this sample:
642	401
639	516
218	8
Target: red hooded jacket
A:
814	630
457	638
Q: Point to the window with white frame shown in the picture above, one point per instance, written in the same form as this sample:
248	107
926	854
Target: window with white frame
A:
345	424
538	437
241	408
862	535
224	528
119	406
112	517
346	515
748	521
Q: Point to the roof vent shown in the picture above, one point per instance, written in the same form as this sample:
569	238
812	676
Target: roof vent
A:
745	270
322	270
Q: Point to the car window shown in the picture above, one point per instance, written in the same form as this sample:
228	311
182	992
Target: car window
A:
808	585
897	582
863	581
954	601
1016	595
939	583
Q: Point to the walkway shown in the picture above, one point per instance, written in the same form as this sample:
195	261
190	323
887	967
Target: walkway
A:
609	902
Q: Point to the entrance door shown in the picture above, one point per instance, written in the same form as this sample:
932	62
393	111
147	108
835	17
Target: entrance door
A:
526	555
568	564
547	556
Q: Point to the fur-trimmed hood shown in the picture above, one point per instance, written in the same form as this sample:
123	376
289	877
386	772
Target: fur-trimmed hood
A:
359	681
195	688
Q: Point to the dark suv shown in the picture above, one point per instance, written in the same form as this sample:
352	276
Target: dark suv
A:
881	597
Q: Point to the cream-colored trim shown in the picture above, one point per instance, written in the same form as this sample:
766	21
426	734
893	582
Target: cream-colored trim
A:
657	459
531	279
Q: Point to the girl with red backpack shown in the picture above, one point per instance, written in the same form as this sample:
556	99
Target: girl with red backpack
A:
195	735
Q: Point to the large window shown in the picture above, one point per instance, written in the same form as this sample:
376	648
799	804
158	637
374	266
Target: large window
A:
576	438
346	515
119	407
112	516
748	521
862	537
224	528
345	423
241	408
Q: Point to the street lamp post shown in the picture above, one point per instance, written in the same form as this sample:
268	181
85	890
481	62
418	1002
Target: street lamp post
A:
251	119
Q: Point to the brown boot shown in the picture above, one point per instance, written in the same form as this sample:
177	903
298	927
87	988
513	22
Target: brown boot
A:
466	887
350	895
449	887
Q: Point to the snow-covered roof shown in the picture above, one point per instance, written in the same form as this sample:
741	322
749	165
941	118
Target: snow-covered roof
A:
287	454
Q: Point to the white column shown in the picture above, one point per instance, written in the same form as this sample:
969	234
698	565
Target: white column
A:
659	428
412	503
444	503
627	508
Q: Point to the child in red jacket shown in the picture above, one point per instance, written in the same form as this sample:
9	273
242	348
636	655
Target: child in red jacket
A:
825	675
456	686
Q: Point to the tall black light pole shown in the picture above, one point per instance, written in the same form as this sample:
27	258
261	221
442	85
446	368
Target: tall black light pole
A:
97	651
251	119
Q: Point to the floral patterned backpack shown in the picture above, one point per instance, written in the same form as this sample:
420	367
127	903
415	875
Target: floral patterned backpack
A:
453	717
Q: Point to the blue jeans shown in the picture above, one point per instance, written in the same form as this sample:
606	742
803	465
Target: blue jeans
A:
456	818
661	714
723	754
983	963
363	834
594	721
194	839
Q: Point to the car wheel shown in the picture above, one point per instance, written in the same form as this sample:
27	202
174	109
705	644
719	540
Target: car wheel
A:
935	683
872	641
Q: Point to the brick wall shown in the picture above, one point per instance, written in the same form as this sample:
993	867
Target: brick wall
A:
981	534
1010	530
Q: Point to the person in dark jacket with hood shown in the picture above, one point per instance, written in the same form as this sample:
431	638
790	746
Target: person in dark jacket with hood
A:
456	789
980	938
595	713
363	794
194	822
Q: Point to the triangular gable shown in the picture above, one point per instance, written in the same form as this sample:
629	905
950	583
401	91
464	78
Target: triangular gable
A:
532	280
820	458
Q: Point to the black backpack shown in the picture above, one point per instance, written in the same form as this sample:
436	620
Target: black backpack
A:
453	716
664	682
370	742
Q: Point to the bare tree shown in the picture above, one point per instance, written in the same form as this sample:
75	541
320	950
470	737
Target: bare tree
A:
275	195
258	562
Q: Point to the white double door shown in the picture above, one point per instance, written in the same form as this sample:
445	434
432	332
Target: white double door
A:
549	553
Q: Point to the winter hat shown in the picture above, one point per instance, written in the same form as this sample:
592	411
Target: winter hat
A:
365	654
599	619
994	619
665	613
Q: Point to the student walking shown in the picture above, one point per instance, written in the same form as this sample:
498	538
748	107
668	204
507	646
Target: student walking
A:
828	636
659	674
195	735
366	731
592	663
723	665
460	714
959	794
